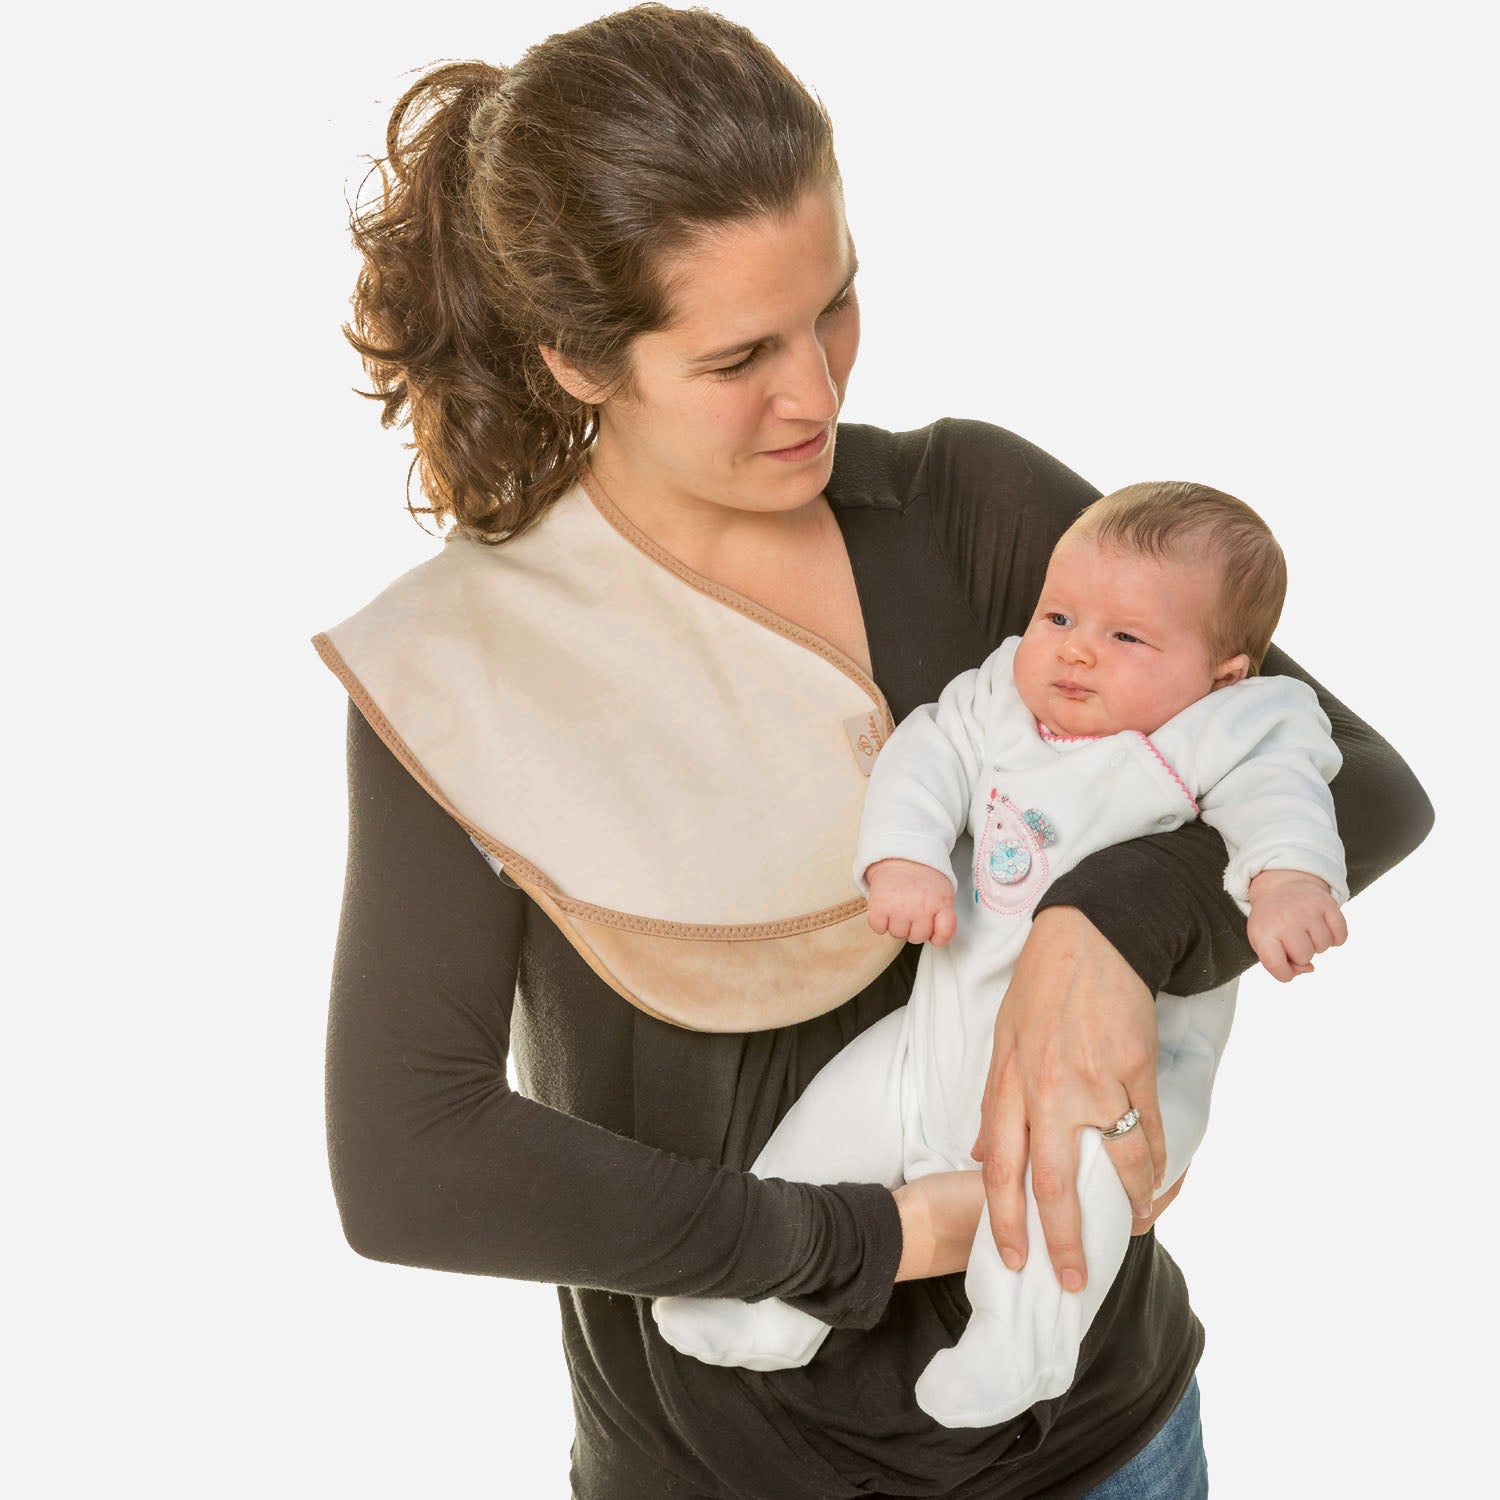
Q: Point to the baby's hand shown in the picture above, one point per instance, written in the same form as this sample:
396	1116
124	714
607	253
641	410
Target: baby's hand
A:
1292	916
910	901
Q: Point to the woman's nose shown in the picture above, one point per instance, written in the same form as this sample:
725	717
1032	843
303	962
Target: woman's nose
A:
807	391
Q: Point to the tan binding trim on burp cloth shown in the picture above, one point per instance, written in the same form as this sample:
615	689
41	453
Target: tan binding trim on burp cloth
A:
741	985
689	827
747	607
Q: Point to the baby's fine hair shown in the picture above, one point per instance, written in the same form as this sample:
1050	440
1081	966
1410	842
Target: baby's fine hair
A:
1177	520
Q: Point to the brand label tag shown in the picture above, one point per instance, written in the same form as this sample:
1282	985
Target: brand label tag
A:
866	736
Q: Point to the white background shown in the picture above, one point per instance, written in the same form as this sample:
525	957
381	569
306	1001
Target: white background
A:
1239	244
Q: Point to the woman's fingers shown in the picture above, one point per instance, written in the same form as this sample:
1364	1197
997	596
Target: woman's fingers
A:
1054	1184
1144	1100
1159	1207
1137	1170
1002	1150
1139	1158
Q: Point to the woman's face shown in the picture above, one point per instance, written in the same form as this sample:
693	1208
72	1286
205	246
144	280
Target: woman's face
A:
732	404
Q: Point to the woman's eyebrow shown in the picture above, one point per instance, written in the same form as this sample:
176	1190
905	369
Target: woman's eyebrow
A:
770	339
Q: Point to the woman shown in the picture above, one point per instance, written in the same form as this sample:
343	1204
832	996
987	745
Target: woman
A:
624	265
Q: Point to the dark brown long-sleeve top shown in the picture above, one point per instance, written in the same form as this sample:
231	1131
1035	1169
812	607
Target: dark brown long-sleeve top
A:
618	1170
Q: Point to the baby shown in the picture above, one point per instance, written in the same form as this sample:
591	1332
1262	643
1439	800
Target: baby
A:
1129	706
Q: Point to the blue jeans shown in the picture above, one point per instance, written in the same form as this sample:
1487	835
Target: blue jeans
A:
1172	1466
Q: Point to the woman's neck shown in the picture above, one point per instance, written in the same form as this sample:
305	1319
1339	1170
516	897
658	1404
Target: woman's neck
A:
712	538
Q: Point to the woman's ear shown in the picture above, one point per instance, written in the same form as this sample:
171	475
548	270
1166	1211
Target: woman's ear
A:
571	378
1235	669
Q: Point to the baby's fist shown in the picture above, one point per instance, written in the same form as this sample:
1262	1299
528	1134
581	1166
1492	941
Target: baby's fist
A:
1292	917
911	901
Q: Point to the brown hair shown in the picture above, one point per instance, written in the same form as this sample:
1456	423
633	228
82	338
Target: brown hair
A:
534	206
1174	519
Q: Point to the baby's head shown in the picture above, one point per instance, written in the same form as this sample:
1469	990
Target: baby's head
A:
1155	596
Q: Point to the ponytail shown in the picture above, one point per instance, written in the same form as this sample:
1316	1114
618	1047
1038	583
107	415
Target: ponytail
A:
432	326
533	207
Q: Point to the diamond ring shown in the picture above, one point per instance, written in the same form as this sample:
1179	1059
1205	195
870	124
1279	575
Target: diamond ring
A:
1123	1126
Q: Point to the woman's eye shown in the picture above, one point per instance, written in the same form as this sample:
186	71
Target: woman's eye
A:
840	303
728	372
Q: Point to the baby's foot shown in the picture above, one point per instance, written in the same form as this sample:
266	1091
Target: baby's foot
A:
980	1381
752	1335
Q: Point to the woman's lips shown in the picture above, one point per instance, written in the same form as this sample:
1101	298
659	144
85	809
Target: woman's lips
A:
799	451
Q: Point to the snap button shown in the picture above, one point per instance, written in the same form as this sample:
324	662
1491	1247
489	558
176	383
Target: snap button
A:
1165	819
1118	758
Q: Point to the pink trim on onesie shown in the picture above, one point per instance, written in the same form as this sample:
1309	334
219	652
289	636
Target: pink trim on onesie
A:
1166	766
1078	739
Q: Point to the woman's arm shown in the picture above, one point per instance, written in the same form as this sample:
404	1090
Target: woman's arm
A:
436	1162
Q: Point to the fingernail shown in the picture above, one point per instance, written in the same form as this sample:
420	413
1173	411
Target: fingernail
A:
1012	1259
1161	1177
1143	1210
1073	1281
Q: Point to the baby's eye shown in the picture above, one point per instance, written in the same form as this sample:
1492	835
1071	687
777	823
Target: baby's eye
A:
1122	635
1056	617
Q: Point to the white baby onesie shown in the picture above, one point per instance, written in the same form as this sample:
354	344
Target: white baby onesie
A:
903	1098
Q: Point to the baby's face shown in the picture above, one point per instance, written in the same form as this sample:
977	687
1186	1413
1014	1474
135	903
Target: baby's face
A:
1117	641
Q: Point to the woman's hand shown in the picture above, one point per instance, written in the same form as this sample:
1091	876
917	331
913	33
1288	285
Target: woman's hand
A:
939	1214
1075	1045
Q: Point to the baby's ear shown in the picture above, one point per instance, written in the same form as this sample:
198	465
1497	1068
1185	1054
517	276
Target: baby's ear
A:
1235	669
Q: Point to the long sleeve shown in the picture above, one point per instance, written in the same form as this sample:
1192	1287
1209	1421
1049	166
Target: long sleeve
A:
437	1162
1260	756
919	794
